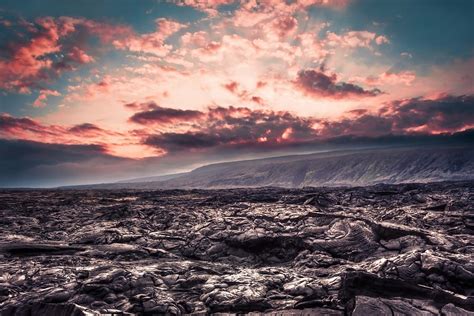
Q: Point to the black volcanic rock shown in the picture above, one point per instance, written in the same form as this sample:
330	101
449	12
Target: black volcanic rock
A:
385	249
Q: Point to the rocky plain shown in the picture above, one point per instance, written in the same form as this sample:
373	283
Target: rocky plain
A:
405	249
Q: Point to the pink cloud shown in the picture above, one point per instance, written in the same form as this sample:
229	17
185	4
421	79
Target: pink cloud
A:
208	6
199	45
191	130
244	95
258	100
222	127
354	39
199	39
90	90
251	13
30	62
261	84
289	7
26	64
232	86
78	55
273	51
25	128
393	78
153	43
43	96
229	45
106	32
311	47
250	18
284	25
381	39
405	77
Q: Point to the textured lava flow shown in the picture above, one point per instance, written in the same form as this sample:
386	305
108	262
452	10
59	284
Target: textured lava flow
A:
386	249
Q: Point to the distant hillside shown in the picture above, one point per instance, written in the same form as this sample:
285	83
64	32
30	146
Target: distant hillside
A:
154	179
338	168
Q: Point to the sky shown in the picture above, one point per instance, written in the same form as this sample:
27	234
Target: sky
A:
105	90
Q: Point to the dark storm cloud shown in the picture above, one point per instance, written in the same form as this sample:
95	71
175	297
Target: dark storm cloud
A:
447	113
236	126
19	126
47	153
317	83
85	128
35	163
178	141
243	127
8	122
413	116
160	115
365	125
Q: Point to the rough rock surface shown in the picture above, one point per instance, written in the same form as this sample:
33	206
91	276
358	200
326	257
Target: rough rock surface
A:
380	250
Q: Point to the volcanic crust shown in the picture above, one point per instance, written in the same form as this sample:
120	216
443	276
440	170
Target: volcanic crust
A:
404	249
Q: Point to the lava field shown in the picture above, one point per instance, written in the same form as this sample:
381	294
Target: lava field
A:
403	249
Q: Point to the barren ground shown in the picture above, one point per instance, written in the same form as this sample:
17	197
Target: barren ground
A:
380	250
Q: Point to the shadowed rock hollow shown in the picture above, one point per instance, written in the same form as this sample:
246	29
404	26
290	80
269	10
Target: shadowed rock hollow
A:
380	250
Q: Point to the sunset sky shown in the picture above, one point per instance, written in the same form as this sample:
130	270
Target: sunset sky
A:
104	90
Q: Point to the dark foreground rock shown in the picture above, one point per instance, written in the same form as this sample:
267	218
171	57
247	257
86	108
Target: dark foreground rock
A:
380	250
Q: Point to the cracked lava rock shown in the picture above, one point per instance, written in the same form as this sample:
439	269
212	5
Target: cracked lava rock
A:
381	250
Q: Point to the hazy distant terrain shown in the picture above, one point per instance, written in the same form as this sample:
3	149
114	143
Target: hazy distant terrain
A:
338	168
153	179
335	169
